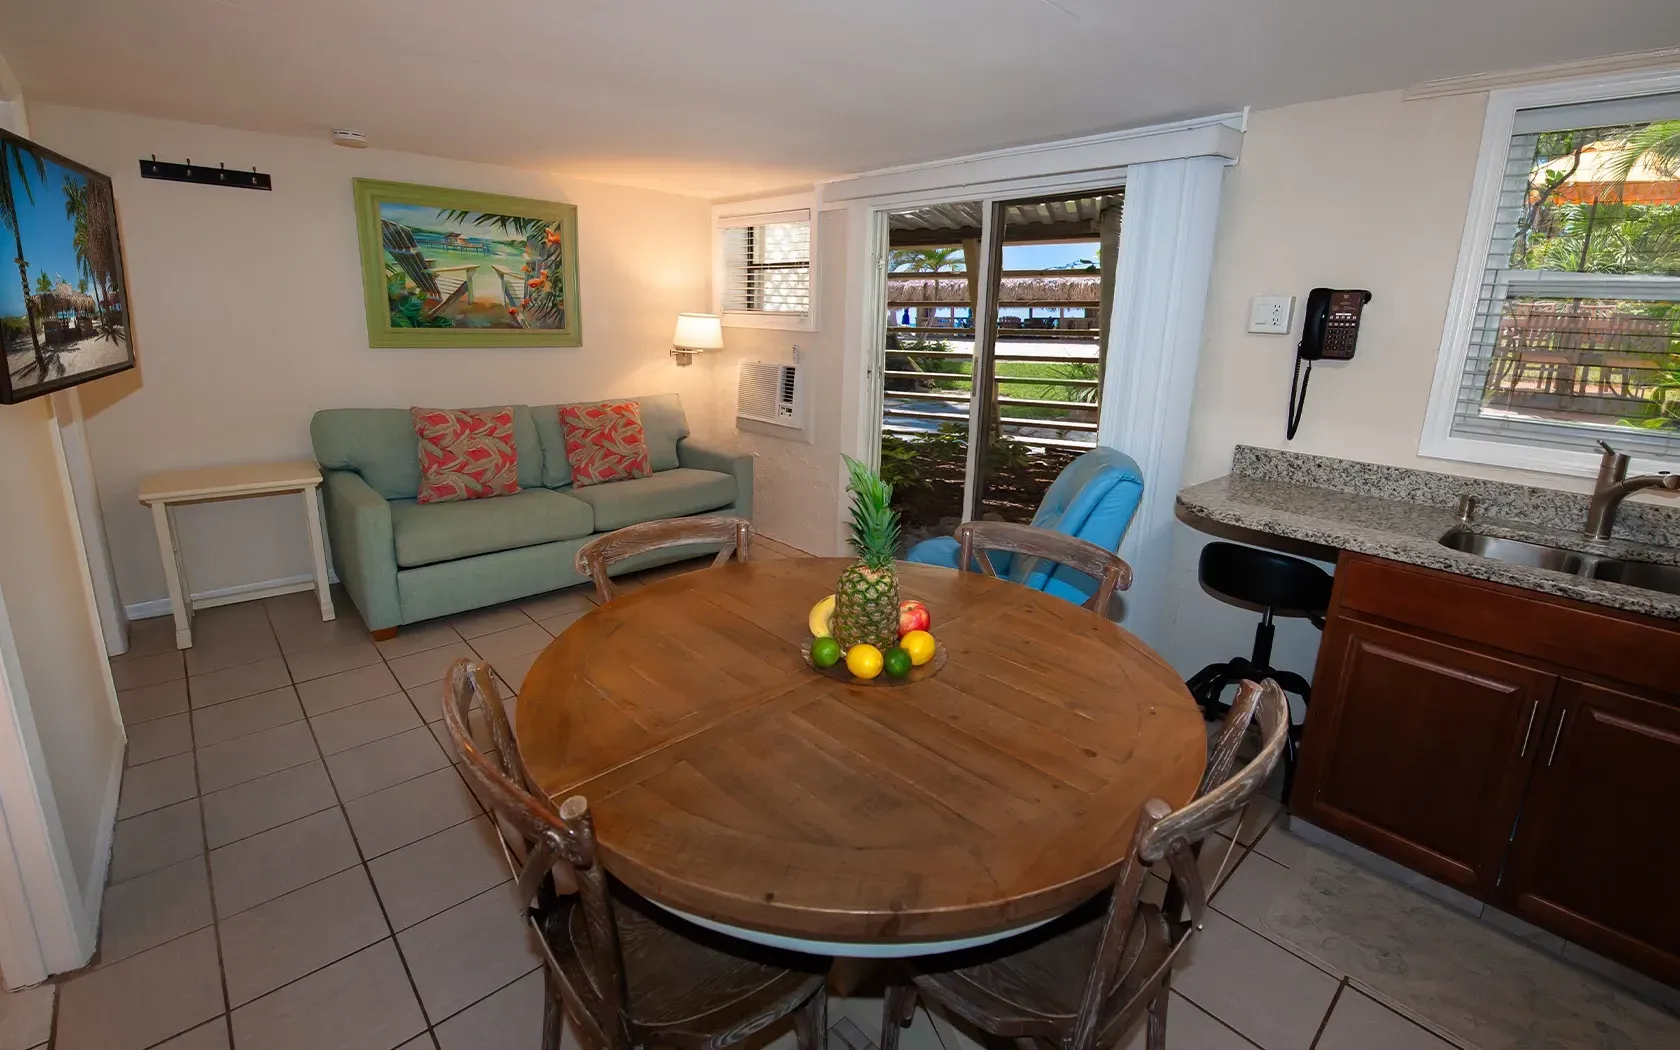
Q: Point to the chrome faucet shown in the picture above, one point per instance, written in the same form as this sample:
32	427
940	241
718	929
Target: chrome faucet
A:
1614	485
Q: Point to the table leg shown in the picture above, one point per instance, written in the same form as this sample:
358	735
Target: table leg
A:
180	605
318	550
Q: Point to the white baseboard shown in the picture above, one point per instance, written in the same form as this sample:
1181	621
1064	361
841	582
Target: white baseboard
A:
243	592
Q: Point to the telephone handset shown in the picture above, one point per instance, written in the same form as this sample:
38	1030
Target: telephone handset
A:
1329	331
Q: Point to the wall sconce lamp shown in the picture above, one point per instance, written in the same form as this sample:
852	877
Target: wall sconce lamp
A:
696	333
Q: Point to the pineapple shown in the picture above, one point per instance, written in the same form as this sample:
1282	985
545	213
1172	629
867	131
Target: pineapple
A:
866	596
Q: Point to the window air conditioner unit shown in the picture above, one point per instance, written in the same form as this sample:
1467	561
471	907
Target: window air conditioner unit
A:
771	393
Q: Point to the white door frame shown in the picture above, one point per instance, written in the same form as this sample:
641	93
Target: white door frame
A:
866	255
42	930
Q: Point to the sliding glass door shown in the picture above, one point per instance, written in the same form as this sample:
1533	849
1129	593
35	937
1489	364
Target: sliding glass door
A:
932	293
997	316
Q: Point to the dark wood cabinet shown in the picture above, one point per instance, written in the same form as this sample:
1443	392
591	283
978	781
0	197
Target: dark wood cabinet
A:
1520	748
1596	846
1427	751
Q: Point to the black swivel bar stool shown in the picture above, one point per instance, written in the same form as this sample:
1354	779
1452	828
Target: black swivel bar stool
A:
1278	585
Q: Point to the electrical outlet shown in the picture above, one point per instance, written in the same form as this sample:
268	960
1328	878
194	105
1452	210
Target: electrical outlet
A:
1271	314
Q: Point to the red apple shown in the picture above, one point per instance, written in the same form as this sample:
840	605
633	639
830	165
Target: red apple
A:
912	616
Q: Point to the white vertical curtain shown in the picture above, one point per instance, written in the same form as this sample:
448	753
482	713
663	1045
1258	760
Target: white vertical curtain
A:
1166	257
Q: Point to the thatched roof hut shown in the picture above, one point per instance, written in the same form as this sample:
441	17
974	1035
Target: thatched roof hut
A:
63	299
1076	288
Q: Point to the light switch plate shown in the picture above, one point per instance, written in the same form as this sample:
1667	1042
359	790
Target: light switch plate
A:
1271	314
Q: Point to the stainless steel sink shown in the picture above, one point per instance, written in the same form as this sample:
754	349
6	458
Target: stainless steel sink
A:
1649	575
1517	552
1639	574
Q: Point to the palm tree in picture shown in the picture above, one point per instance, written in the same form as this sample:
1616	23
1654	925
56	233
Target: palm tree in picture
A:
544	303
43	283
89	208
15	161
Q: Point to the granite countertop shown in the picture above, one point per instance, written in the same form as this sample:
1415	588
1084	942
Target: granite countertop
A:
1402	514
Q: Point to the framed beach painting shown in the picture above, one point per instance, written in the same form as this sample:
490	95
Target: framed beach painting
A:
454	268
64	309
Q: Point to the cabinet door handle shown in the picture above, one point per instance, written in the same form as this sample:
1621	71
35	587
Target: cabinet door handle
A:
1561	720
1530	730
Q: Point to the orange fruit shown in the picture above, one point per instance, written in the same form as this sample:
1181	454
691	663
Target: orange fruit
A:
920	645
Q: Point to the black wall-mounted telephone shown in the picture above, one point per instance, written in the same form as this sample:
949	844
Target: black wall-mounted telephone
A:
1328	332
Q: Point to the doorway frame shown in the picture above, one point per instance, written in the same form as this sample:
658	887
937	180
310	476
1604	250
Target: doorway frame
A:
866	315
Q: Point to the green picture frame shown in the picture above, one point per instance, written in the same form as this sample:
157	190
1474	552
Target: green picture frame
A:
458	268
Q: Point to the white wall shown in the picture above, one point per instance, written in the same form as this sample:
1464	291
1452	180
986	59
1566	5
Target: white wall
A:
58	650
61	738
1359	192
248	318
797	475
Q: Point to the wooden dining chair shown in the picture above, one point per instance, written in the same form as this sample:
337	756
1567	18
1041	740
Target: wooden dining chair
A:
599	555
976	539
1080	982
628	973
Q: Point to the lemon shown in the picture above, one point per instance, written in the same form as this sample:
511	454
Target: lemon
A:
864	661
920	646
821	614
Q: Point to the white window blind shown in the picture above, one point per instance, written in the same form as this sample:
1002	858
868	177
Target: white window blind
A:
766	265
1576	333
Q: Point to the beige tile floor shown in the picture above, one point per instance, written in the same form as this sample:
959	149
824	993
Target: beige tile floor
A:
299	866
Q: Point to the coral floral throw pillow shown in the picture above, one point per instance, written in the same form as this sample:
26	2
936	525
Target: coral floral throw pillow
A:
605	442
465	454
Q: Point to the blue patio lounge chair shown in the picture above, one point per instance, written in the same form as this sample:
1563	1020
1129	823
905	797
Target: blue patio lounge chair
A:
1093	499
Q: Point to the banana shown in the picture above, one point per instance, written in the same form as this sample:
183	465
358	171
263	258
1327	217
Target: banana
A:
821	614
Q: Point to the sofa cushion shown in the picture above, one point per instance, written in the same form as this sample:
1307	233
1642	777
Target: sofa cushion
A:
663	425
667	494
604	442
426	533
465	454
380	445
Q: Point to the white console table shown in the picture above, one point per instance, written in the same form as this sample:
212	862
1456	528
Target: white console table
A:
170	489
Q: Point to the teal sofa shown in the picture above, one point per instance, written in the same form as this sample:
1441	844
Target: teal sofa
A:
404	562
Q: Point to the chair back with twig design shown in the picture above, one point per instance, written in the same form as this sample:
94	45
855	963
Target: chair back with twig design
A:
552	850
598	556
977	538
1176	837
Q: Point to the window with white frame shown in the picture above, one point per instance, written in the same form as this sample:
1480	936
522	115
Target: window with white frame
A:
1566	327
763	273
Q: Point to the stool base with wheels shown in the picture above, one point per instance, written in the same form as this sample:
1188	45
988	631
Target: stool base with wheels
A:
1278	585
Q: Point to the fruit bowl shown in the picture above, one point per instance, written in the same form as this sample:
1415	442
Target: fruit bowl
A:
839	673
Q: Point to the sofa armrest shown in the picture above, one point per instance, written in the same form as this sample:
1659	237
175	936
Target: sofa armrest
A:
701	456
363	546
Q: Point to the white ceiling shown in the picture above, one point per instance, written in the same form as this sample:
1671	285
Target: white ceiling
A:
731	96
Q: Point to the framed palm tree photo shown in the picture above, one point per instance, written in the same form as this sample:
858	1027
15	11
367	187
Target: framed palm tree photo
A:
64	313
455	268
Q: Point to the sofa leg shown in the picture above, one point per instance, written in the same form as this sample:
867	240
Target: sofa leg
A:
384	634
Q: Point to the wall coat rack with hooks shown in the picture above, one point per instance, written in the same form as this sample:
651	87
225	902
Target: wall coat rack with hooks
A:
204	175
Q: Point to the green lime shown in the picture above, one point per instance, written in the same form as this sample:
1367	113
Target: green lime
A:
897	661
825	652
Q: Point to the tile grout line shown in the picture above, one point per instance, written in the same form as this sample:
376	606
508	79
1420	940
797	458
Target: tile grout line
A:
367	872
1452	1039
1192	1004
209	879
1324	1022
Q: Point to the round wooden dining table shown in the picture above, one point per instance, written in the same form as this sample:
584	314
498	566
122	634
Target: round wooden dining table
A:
735	786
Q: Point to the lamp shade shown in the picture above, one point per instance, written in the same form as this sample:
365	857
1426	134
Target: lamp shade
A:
698	332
